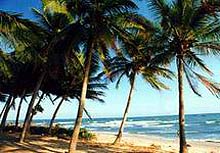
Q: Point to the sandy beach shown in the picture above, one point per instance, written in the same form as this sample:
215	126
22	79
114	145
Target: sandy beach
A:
102	143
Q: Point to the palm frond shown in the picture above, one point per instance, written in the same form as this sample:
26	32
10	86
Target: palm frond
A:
208	48
192	81
212	86
193	60
19	30
159	8
154	82
42	18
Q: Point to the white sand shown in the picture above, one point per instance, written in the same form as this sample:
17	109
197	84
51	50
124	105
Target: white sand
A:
196	146
103	144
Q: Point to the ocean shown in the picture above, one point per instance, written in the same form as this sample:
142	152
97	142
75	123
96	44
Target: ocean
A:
198	126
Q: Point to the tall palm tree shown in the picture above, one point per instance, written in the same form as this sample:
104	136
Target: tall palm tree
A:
97	18
138	54
51	21
192	30
12	25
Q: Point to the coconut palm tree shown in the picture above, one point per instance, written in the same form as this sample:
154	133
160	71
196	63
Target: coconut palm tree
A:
69	87
12	25
192	30
51	21
97	18
42	53
36	40
138	54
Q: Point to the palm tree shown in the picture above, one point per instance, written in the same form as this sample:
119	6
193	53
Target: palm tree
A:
34	38
138	54
52	22
54	114
192	30
70	85
27	120
12	25
97	18
13	82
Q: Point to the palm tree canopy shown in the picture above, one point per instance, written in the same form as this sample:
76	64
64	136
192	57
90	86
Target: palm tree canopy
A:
138	51
17	30
191	31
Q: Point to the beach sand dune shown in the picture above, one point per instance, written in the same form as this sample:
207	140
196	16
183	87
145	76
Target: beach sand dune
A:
102	144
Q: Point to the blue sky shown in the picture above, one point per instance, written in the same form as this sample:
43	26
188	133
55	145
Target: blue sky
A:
146	101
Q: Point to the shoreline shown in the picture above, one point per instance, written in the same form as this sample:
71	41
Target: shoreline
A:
151	136
167	144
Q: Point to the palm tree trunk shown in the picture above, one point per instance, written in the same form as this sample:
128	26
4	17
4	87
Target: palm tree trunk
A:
7	109
76	129
55	114
183	146
29	125
30	107
120	132
19	109
34	113
3	109
87	113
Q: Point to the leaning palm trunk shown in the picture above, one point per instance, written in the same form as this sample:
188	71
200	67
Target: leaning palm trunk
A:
30	107
120	132
7	109
183	146
73	141
19	110
55	114
33	112
3	109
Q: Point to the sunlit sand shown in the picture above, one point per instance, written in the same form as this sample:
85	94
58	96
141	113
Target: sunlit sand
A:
103	144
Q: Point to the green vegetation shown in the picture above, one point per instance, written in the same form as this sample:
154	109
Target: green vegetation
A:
85	134
74	45
57	131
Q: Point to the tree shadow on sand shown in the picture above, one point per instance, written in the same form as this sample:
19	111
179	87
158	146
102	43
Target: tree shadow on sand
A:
9	143
39	144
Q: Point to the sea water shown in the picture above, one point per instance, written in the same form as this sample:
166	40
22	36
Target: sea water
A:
198	126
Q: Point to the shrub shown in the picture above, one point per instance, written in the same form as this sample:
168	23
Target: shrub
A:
58	131
85	134
38	130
